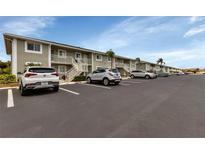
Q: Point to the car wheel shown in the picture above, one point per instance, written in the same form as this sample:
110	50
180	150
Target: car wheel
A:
89	80
132	76
147	77
22	90
105	82
56	88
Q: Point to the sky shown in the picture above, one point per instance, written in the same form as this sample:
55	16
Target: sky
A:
180	41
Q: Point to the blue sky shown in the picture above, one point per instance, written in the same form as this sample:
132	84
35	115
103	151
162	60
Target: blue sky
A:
180	41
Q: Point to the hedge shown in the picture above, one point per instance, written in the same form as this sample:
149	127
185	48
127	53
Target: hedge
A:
80	78
7	78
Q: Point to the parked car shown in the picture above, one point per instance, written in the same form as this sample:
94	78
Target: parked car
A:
38	78
106	76
163	74
180	73
115	70
142	74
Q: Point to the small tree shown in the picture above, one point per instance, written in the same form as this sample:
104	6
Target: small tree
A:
111	54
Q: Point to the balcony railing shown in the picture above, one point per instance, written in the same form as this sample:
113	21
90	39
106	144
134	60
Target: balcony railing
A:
61	60
68	60
119	64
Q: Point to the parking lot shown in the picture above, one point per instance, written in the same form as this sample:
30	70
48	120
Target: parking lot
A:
162	107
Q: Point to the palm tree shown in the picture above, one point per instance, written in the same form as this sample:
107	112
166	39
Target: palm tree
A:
111	54
138	60
160	61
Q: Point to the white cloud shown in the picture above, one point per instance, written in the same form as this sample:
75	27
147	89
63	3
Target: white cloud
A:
187	57
193	19
194	31
127	32
26	25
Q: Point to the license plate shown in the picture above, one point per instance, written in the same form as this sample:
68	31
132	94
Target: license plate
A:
44	83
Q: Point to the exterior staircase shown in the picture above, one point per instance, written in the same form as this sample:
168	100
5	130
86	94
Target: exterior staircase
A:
78	68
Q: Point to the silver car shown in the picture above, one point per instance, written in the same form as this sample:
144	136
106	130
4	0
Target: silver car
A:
142	74
106	76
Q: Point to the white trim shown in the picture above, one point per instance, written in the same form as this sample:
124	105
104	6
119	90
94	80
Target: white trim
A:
49	55
60	55
14	57
32	51
99	59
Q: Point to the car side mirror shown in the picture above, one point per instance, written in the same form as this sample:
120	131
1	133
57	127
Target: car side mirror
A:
19	73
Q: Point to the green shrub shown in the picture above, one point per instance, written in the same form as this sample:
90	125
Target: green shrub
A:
6	70
7	78
80	78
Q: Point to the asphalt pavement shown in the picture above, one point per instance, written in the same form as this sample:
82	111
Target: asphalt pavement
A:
163	107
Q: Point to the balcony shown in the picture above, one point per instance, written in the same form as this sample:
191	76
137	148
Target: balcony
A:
119	64
61	60
67	60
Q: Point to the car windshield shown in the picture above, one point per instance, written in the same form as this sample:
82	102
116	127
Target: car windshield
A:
42	70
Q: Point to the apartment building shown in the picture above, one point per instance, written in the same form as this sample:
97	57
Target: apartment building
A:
68	60
152	67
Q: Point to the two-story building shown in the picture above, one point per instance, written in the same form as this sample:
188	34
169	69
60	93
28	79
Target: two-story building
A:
68	60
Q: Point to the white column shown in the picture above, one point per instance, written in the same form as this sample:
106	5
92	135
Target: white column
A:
92	61
49	55
14	57
114	66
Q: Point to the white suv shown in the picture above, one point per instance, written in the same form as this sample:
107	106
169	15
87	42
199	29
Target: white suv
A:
142	74
106	76
38	78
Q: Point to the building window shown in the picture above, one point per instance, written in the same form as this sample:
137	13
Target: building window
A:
62	53
108	59
78	55
99	57
61	68
33	47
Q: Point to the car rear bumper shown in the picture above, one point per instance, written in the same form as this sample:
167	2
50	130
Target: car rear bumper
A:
39	85
115	80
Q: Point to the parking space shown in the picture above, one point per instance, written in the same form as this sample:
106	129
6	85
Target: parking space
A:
11	98
92	110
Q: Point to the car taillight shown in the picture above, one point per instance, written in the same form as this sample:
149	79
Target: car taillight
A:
111	74
27	75
55	73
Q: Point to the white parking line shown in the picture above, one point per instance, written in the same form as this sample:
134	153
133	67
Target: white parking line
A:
73	92
131	82
97	86
10	101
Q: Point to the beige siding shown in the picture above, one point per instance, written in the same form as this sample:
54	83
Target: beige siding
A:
23	57
140	66
104	63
